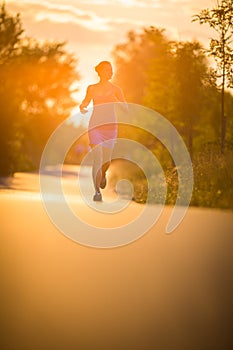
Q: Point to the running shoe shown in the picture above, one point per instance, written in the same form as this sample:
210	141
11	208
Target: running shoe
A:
97	197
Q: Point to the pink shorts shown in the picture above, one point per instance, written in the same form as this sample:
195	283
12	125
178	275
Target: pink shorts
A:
104	134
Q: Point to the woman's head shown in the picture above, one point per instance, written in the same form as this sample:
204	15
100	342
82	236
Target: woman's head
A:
104	70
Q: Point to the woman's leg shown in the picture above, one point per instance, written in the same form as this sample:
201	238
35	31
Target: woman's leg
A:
107	157
97	153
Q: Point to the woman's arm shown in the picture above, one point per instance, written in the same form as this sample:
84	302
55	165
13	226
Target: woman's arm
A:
120	97
86	100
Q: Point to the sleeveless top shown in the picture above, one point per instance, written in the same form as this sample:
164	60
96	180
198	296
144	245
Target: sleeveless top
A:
103	110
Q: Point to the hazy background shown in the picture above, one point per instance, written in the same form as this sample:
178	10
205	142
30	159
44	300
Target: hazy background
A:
93	28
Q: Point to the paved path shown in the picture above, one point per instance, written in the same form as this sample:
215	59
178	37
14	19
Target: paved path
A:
160	292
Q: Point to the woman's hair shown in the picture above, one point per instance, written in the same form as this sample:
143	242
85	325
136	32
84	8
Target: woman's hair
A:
101	65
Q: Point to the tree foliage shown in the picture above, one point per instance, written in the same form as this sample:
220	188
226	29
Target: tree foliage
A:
10	34
190	85
177	80
173	78
133	59
35	93
220	19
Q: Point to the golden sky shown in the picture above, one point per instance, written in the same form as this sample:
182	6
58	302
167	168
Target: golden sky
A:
93	27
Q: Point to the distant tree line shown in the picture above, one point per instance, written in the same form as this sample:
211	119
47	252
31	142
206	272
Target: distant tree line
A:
175	79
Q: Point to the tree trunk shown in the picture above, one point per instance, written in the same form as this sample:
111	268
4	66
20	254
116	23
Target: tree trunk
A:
190	142
223	119
223	124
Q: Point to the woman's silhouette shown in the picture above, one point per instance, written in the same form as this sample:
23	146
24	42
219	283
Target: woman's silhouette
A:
102	129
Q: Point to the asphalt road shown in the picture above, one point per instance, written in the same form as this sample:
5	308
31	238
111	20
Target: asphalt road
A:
159	292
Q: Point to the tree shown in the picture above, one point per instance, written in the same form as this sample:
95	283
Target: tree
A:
190	75
10	34
174	80
35	92
220	19
134	58
46	99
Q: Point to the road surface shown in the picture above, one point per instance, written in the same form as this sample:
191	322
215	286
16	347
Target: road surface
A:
159	292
